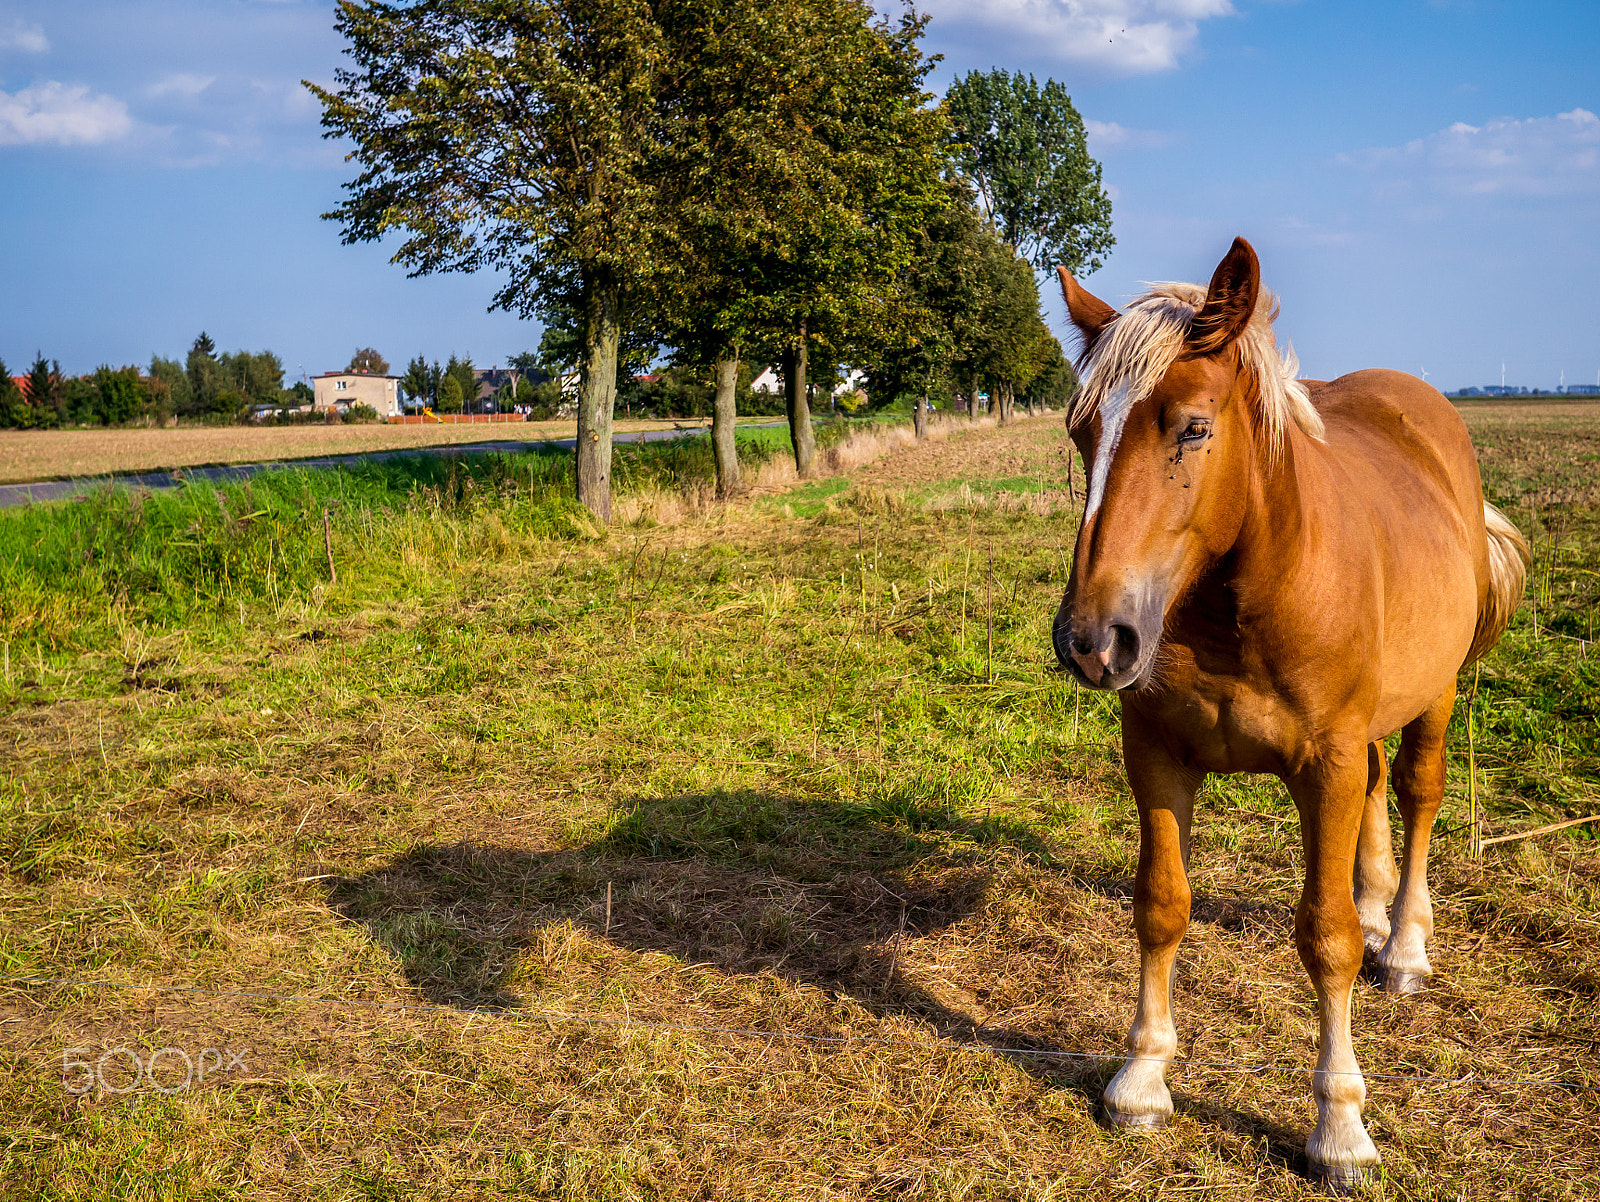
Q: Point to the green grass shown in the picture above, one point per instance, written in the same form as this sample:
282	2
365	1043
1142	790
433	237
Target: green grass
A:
750	771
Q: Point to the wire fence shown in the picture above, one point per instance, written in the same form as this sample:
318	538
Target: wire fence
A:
930	1045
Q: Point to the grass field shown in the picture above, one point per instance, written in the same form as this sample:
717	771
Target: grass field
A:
27	456
793	766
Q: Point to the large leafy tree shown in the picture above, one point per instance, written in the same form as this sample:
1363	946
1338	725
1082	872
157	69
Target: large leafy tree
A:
513	136
795	162
1023	150
938	306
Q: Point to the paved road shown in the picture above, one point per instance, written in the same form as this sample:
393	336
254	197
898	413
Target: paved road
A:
53	490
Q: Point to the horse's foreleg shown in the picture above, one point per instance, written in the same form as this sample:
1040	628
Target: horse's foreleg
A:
1376	879
1138	1096
1419	788
1331	800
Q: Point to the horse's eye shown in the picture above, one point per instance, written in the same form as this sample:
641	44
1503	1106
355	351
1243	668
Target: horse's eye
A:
1194	431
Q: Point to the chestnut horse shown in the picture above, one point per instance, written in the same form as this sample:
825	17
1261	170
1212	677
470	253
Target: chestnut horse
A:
1275	574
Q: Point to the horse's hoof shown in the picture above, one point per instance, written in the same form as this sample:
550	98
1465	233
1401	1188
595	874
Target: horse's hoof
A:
1396	981
1341	1178
1135	1122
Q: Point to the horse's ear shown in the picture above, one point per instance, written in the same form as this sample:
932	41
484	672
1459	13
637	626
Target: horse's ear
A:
1230	302
1088	312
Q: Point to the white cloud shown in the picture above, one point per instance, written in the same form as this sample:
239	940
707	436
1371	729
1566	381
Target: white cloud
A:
20	36
1540	156
61	114
1108	135
1123	37
180	84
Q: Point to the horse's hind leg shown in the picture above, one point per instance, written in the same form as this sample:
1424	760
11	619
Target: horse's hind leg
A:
1419	789
1376	879
1138	1096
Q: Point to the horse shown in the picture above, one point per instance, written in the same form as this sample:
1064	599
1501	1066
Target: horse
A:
1275	574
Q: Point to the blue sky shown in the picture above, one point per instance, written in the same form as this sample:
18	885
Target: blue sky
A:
1422	180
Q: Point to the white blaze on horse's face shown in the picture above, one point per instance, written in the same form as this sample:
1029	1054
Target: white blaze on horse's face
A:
1113	415
1161	504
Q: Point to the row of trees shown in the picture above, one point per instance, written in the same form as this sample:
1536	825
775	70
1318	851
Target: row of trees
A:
204	386
740	182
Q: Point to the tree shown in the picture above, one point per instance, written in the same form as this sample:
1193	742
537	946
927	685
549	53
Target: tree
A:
561	345
865	157
1007	341
420	383
120	395
937	307
450	397
466	378
256	378
510	136
204	375
1022	148
13	405
46	392
169	388
368	362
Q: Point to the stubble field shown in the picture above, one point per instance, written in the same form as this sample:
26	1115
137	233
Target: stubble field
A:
27	456
743	851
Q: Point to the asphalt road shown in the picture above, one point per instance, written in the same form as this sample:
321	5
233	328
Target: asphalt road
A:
54	490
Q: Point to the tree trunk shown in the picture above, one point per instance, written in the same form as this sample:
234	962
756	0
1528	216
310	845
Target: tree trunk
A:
919	417
999	394
724	411
794	389
972	398
597	396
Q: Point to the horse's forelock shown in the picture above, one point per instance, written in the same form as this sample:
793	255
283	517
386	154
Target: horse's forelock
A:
1136	350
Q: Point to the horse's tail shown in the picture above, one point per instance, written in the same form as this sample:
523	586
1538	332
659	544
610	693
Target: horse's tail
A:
1508	574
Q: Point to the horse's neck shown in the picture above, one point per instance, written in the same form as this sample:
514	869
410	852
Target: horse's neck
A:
1272	538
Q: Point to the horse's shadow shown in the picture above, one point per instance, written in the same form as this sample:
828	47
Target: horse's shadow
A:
819	894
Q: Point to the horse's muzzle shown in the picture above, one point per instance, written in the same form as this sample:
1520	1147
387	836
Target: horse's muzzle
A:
1109	653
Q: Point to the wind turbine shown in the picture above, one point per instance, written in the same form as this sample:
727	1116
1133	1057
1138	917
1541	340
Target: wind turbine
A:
1424	372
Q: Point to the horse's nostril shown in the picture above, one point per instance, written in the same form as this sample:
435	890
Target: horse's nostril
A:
1082	644
1124	648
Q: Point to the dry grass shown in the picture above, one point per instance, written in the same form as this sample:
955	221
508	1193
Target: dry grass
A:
29	455
742	771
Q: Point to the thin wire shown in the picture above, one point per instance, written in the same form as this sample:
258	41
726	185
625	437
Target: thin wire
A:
1238	1066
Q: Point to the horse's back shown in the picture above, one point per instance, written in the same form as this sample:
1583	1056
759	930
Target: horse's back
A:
1381	415
1408	464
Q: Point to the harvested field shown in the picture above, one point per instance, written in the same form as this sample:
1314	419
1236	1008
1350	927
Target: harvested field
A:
30	455
693	847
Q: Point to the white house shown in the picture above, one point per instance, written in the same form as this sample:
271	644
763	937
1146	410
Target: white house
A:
341	389
770	381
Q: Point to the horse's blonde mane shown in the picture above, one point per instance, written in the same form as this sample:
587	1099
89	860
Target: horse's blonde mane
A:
1136	350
